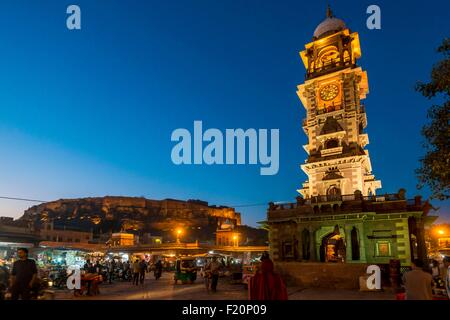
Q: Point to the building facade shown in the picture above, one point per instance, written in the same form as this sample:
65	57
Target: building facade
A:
339	217
122	239
48	232
227	235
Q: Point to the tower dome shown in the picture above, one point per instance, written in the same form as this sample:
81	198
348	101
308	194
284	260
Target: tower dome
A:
329	26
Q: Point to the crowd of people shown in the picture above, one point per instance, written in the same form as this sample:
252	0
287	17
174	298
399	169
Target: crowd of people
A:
22	281
133	271
420	282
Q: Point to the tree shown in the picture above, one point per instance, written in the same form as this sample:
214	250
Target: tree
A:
434	169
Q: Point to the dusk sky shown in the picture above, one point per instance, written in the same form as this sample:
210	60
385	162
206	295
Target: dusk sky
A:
90	112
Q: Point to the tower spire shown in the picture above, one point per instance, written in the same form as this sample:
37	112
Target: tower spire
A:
329	12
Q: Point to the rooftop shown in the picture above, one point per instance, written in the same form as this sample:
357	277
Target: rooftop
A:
347	204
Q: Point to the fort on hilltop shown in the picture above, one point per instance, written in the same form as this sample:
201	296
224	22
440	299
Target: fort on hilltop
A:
104	215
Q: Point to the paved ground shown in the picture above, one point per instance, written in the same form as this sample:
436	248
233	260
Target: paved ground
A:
164	289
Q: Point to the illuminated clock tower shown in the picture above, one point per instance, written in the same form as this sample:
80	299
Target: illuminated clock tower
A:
332	93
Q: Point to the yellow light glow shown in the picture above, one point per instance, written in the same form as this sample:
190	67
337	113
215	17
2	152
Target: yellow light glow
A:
441	232
179	231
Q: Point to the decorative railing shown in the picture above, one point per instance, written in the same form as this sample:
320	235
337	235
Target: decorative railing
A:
343	198
329	109
331	151
329	65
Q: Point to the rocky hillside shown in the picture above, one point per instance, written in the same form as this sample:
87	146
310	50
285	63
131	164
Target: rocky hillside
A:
139	215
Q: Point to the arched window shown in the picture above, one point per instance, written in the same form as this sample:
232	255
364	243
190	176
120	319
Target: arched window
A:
333	192
355	244
306	244
332	143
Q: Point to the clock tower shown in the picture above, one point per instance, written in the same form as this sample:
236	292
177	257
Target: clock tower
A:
338	163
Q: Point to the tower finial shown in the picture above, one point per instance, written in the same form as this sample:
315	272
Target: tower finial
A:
329	12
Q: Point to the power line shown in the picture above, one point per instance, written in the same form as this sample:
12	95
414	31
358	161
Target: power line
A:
258	204
22	199
237	206
249	205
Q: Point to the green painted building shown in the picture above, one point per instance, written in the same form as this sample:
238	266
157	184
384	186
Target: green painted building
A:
350	229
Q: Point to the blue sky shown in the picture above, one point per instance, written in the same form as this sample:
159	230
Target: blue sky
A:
90	112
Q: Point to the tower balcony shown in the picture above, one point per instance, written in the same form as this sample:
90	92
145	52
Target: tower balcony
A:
329	66
331	151
329	109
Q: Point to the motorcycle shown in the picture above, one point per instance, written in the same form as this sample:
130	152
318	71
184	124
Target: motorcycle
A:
104	273
40	290
121	274
58	278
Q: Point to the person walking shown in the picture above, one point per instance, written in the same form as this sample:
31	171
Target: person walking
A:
158	269
446	274
213	268
266	284
142	270
4	280
418	283
110	267
136	270
23	275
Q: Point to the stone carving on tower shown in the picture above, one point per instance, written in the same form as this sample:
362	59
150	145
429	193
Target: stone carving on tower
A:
334	87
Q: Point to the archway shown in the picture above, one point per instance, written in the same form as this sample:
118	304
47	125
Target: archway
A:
332	248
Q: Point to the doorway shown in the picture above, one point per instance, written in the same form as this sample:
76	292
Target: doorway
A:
332	248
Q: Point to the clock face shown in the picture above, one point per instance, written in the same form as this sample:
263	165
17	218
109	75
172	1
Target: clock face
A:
329	92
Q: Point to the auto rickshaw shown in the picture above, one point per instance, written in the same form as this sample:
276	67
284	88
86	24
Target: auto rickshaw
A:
185	270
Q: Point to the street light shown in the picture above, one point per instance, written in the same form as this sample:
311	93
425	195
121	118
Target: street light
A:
179	232
235	240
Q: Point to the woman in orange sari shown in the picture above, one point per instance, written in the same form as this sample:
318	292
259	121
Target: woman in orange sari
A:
266	284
